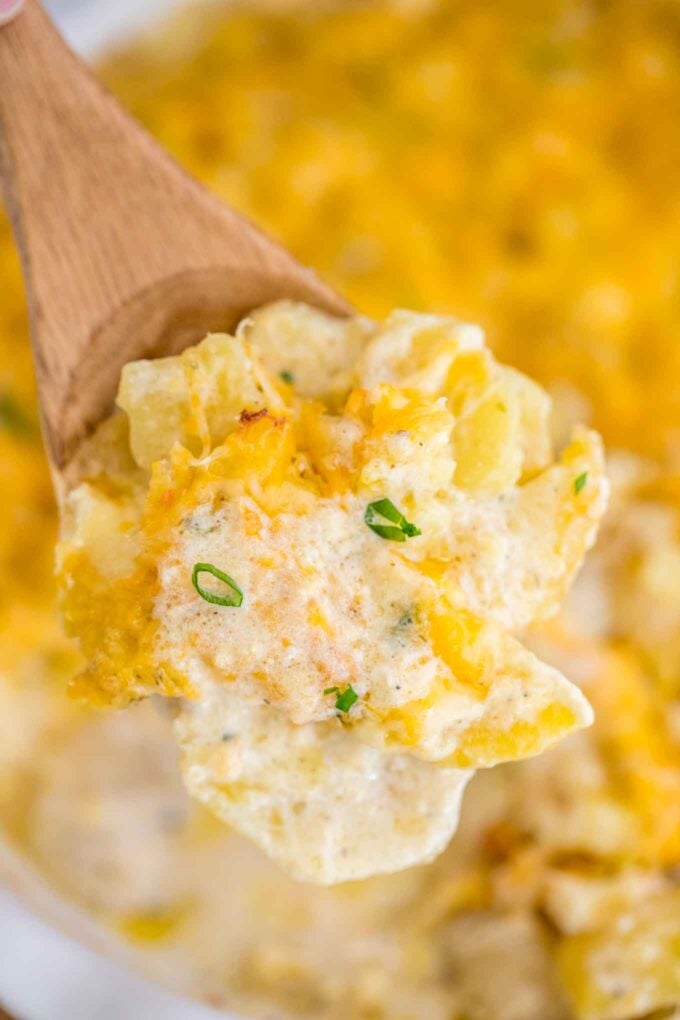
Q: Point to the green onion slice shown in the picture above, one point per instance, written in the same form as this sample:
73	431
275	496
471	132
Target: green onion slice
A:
13	418
580	482
233	598
287	377
385	509
345	699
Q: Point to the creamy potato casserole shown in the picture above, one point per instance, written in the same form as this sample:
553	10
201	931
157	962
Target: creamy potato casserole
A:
340	688
516	163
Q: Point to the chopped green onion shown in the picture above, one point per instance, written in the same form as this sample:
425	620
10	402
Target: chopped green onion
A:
287	377
13	417
233	598
580	482
386	509
345	699
404	621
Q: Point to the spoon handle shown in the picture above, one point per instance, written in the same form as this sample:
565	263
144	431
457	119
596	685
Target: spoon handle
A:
125	255
62	140
46	93
28	87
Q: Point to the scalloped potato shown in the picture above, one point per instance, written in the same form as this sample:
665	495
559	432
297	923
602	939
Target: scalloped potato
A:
516	162
340	572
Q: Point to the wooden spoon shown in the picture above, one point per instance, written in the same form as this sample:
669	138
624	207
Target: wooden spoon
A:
124	254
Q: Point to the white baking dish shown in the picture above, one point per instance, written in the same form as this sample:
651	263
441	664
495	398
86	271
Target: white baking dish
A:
93	25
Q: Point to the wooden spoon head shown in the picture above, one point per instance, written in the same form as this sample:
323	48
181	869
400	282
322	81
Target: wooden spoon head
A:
125	255
158	320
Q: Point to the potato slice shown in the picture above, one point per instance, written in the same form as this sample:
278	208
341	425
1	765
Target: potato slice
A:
322	804
193	399
308	349
629	967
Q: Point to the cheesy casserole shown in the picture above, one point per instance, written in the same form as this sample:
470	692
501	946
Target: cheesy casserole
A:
515	161
257	555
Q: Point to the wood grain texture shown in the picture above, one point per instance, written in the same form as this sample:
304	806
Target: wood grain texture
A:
124	254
